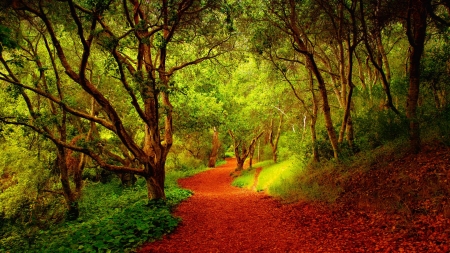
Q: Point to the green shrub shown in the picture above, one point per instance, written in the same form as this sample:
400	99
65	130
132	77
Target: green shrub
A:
293	180
121	232
436	126
374	128
112	219
229	154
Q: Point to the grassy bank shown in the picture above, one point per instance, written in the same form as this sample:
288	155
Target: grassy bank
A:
289	180
386	178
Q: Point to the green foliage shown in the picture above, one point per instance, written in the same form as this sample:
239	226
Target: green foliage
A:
294	144
436	125
188	155
229	154
246	179
6	40
122	231
23	177
98	5
14	91
292	180
113	219
377	127
273	173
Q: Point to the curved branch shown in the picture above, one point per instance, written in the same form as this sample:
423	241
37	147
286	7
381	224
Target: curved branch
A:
90	153
54	99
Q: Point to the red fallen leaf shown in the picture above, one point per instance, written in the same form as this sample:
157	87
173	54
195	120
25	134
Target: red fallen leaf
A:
445	248
222	218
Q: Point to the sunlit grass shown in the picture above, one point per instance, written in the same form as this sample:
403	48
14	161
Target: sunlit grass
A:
290	180
275	173
245	180
247	177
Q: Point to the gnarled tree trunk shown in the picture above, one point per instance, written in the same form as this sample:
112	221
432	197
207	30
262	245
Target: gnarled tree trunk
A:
155	183
241	151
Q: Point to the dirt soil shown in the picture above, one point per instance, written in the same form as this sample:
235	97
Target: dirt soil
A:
223	218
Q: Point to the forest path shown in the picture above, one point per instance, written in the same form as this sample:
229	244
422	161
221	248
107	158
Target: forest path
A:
223	218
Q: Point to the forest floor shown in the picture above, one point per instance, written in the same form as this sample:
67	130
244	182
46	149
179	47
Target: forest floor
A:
223	218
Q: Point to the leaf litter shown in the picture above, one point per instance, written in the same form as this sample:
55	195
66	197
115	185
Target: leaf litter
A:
223	218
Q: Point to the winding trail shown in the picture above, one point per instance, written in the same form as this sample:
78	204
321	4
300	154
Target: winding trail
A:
223	218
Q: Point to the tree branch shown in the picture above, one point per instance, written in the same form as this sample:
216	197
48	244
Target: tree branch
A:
90	153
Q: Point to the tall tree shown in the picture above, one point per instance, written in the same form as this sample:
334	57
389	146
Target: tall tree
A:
286	17
374	17
274	137
214	149
141	43
416	28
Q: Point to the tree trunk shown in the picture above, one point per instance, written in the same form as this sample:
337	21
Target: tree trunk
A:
274	140
240	163
350	131
214	150
416	31
70	198
376	62
241	156
314	140
77	174
314	120
252	152
155	182
325	106
127	179
311	64
345	121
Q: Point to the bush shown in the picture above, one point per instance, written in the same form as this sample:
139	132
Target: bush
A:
436	126
247	177
113	219
122	231
374	128
229	154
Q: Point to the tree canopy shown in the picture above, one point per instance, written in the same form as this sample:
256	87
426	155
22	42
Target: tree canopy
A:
136	88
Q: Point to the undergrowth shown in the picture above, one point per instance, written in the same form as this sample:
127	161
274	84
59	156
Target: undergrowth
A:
112	219
387	178
294	180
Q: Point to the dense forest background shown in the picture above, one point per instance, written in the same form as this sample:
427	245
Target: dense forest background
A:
104	104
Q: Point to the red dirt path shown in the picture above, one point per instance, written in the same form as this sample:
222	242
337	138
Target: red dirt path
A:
223	218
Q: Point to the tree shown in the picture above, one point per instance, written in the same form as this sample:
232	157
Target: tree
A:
141	43
416	31
214	149
286	18
274	139
373	23
242	148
